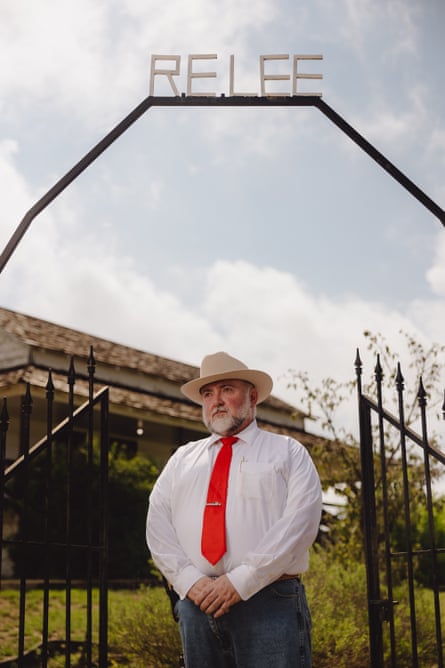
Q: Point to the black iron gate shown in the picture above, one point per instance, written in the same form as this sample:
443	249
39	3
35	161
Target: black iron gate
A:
402	566
53	523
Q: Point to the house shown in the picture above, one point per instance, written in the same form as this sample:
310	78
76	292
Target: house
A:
147	410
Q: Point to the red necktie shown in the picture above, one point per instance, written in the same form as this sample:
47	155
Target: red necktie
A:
213	541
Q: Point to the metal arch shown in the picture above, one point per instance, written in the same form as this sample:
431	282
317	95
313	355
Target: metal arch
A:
221	101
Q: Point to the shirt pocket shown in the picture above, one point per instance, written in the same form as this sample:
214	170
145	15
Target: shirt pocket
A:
256	481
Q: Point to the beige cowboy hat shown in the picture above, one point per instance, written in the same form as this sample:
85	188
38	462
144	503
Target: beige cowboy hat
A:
220	366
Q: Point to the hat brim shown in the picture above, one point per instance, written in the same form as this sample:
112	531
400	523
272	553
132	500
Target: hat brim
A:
261	380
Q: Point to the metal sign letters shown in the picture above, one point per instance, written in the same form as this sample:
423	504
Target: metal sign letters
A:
291	74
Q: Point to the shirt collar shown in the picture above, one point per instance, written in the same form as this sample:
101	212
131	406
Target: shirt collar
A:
244	435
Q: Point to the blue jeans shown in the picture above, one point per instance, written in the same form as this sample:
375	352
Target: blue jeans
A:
270	630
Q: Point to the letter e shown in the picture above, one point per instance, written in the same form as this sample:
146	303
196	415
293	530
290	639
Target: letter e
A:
296	75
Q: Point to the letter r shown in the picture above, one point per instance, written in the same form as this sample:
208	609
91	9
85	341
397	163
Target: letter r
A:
169	73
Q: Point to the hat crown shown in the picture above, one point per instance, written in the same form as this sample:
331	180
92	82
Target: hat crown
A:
221	366
220	363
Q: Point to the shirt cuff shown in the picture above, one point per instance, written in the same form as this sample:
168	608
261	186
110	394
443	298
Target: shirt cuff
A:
245	581
185	580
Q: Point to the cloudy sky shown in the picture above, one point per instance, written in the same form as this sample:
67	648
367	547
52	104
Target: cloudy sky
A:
263	232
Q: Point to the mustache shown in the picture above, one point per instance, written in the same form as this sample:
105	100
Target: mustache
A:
218	410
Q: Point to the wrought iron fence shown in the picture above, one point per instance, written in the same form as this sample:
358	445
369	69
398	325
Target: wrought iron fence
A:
403	549
56	494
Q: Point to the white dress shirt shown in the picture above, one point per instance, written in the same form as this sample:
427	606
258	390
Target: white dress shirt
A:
272	514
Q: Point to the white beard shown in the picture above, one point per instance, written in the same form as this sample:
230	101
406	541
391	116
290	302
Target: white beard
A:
225	424
222	424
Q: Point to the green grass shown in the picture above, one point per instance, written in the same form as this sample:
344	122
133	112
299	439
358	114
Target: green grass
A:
9	613
142	631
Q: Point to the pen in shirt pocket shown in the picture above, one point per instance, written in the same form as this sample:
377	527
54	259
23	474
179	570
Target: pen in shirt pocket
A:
241	463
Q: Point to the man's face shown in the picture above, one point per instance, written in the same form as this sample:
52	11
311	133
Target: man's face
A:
228	406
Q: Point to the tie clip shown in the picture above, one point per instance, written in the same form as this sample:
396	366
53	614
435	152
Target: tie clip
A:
213	503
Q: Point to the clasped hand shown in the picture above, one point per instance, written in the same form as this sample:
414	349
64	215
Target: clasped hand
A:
214	596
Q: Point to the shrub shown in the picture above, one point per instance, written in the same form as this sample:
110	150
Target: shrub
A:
142	631
131	478
337	598
336	593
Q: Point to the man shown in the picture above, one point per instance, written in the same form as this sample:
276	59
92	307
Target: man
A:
234	550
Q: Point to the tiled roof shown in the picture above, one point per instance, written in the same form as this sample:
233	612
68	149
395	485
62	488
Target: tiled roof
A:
38	378
49	336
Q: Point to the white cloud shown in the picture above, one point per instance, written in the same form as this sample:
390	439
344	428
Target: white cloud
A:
85	286
260	313
436	275
254	132
270	314
52	50
360	18
70	273
267	317
17	196
89	57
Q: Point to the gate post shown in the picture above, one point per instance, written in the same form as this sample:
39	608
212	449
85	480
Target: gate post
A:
370	526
